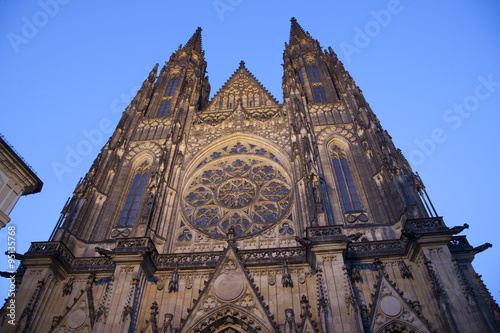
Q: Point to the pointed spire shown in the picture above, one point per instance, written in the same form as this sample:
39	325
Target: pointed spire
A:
296	30
195	41
152	74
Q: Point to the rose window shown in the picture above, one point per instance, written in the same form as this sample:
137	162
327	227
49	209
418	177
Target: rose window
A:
246	193
235	193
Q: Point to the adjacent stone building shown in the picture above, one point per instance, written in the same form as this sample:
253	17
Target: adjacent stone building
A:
241	214
16	179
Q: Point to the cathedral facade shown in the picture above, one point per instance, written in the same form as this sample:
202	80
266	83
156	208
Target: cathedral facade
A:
241	214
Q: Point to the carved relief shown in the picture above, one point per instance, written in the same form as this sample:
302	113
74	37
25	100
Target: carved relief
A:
137	146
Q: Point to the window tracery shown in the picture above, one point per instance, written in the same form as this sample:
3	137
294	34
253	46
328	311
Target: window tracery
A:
185	236
317	85
247	192
344	180
134	196
285	229
167	98
240	148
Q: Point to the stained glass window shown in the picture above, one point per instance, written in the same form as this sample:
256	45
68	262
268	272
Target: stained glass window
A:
301	78
247	193
165	105
344	180
317	84
313	74
171	87
167	99
134	196
319	93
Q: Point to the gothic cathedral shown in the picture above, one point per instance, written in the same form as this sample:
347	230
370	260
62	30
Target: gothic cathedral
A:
241	214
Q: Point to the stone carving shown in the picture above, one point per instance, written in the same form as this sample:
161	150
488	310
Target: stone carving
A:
120	232
458	229
354	237
327	132
272	254
271	278
95	264
376	247
437	287
137	146
481	248
160	284
189	283
68	287
28	310
302	278
286	277
134	243
305	307
173	284
127	313
425	223
188	259
152	318
351	218
290	324
127	269
229	265
355	276
247	301
209	303
167	323
403	268
105	300
55	321
324	231
316	189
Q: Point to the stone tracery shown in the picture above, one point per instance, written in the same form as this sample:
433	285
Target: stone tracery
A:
246	192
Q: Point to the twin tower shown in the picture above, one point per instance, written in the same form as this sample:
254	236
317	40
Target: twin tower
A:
241	214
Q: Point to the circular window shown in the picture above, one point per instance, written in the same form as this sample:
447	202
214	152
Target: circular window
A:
248	194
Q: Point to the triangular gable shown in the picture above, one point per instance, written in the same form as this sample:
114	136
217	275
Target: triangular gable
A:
307	326
241	85
228	300
80	316
391	311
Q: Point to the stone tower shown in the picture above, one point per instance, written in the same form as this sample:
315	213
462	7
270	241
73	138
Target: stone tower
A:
241	214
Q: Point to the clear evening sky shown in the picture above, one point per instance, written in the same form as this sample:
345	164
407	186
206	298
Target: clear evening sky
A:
429	69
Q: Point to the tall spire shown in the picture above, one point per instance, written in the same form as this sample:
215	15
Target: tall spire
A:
195	41
296	30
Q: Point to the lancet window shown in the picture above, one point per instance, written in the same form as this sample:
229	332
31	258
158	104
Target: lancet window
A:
167	98
345	181
134	196
317	85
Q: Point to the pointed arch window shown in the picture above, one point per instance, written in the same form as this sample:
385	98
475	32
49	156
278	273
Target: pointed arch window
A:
301	78
165	105
317	84
134	196
167	98
345	181
313	74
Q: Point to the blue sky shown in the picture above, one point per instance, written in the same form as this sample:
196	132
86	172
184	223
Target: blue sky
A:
429	70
